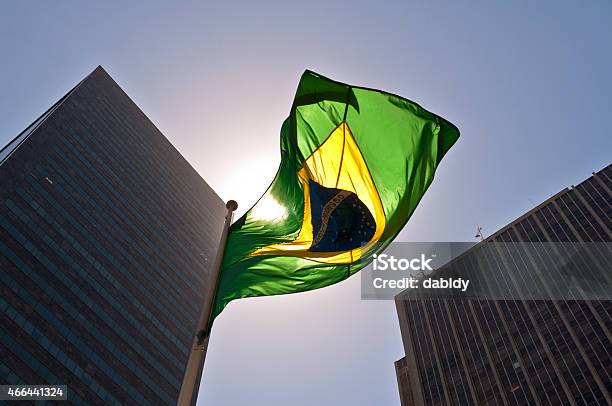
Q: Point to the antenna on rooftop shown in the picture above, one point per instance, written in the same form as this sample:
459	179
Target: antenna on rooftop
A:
479	233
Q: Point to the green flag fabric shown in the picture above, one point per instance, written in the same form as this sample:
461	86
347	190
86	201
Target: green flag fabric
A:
355	162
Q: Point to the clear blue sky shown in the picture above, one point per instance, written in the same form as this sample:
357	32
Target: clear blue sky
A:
528	84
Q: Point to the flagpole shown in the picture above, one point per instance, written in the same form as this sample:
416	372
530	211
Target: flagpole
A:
195	363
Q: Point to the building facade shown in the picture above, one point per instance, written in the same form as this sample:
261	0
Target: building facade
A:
107	238
517	352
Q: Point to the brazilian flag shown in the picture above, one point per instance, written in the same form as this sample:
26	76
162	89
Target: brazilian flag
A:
355	162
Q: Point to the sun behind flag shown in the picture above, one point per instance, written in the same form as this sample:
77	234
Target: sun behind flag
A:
355	162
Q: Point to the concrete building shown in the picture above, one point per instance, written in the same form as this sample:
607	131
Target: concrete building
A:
517	352
107	236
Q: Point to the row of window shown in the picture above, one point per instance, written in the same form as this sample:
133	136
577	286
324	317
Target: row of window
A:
39	368
111	231
71	242
173	181
58	298
81	181
127	160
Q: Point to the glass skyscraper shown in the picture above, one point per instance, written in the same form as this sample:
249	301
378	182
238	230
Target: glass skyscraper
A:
517	352
107	238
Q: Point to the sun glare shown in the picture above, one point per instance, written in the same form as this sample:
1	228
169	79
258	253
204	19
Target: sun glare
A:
269	209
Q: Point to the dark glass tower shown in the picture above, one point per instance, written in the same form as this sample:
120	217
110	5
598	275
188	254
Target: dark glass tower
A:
107	237
512	352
